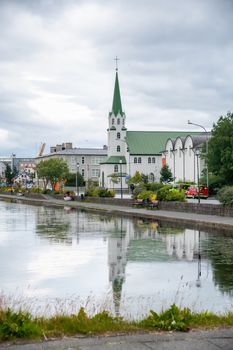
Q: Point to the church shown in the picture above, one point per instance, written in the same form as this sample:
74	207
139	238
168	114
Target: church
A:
143	151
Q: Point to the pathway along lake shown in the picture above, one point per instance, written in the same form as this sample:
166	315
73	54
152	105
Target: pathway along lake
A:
54	260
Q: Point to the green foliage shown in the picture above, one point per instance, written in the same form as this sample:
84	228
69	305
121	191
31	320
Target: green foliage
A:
171	319
53	170
99	192
154	186
17	325
136	179
225	195
166	174
220	155
167	193
21	325
145	195
71	180
9	174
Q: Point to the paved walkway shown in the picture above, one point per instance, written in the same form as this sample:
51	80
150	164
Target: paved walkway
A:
220	339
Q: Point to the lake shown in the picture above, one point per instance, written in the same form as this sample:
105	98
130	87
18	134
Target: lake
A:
56	260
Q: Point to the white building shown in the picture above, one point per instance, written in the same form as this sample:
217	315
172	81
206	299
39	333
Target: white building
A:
86	161
131	151
182	155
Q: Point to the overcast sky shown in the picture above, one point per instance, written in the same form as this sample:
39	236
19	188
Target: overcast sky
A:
57	68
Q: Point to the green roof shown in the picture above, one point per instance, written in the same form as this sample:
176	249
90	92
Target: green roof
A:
152	142
116	104
115	160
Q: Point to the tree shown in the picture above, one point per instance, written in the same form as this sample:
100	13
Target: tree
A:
9	174
166	174
71	180
136	179
220	149
52	170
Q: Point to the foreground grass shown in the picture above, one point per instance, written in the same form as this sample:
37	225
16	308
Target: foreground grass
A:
16	325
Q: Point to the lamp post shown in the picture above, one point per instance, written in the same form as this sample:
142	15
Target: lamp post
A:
207	151
77	188
197	153
120	162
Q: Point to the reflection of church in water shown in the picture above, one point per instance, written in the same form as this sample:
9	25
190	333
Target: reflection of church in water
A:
132	242
128	240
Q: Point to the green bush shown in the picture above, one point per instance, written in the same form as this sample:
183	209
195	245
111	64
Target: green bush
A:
17	325
154	186
225	195
167	193
99	192
145	195
171	319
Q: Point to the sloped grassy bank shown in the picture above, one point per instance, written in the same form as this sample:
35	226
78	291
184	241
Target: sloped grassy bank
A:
22	325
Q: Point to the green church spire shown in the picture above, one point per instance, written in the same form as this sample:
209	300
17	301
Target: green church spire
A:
116	104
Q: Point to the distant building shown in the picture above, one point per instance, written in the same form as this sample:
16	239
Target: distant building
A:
86	161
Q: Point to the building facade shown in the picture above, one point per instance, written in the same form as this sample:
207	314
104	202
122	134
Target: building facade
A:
86	161
142	151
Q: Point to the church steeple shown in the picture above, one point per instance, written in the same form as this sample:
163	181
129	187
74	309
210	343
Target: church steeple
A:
116	103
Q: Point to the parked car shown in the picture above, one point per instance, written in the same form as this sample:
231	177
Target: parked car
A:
192	192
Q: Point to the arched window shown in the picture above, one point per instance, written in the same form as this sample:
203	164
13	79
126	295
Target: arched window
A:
118	121
149	160
118	135
153	159
135	160
151	177
139	159
115	168
118	148
112	121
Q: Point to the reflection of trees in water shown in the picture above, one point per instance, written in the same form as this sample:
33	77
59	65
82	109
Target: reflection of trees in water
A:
54	225
220	252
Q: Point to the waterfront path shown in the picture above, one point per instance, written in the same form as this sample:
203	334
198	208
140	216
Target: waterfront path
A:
217	339
200	220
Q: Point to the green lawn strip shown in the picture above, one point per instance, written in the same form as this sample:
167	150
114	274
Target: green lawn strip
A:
22	325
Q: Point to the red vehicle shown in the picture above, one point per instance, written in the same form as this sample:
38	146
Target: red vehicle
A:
192	192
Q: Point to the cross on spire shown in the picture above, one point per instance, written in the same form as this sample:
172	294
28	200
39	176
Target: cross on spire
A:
116	59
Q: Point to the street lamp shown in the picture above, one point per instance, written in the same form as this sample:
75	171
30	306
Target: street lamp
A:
197	153
77	188
206	133
120	162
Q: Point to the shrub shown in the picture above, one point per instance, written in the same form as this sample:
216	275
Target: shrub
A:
154	186
99	192
171	319
167	193
17	325
225	195
146	195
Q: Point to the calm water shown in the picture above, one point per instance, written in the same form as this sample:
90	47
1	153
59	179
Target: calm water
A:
60	259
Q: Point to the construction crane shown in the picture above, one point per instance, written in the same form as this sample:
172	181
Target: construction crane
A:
41	149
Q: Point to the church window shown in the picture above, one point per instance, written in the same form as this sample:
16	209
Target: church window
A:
112	121
118	121
118	148
151	177
139	159
115	168
118	135
153	159
135	160
123	121
149	160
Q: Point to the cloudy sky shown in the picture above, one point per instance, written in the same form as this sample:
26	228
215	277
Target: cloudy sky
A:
57	68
